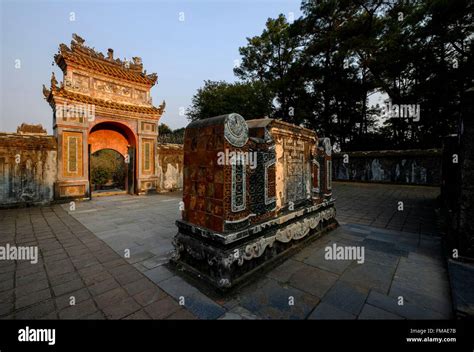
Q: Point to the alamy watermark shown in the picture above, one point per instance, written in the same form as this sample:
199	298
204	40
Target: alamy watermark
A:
237	158
336	252
403	111
72	110
9	252
37	335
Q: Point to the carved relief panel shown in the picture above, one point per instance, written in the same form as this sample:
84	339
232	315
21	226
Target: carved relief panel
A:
148	156
296	171
72	149
112	89
148	127
78	82
141	96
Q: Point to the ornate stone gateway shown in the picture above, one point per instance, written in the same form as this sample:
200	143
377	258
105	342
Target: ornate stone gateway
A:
102	103
253	190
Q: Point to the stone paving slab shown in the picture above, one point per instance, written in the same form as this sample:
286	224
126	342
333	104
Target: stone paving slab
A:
369	275
272	300
437	301
318	260
346	297
326	311
238	313
313	280
376	206
370	312
403	309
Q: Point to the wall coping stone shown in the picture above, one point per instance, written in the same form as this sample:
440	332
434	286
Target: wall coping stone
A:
388	153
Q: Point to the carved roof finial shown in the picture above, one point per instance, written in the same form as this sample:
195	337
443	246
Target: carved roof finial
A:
54	81
78	39
162	107
137	60
110	54
152	76
46	91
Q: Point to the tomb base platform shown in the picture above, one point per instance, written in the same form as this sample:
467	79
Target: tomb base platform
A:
225	260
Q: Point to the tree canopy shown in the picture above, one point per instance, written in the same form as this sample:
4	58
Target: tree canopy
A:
249	99
321	70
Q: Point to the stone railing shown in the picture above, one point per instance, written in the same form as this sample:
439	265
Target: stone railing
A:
171	138
415	166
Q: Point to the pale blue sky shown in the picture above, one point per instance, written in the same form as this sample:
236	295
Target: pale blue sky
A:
183	54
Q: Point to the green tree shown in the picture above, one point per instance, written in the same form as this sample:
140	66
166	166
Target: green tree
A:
337	82
100	176
249	99
272	59
320	70
417	52
108	165
424	57
164	129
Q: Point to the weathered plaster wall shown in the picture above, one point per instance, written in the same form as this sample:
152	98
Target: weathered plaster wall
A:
422	167
170	167
28	169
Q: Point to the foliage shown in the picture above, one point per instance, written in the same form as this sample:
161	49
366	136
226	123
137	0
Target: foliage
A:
249	99
108	167
164	129
167	135
274	58
320	71
100	176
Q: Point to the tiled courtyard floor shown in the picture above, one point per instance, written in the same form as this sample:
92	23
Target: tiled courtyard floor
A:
83	256
73	265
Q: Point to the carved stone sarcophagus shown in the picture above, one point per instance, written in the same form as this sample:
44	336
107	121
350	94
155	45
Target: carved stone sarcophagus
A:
253	190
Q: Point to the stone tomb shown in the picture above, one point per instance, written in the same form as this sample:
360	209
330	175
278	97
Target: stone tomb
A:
253	190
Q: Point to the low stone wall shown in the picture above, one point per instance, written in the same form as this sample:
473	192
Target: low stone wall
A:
420	167
28	169
170	167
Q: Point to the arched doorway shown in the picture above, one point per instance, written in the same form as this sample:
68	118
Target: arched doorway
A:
112	162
